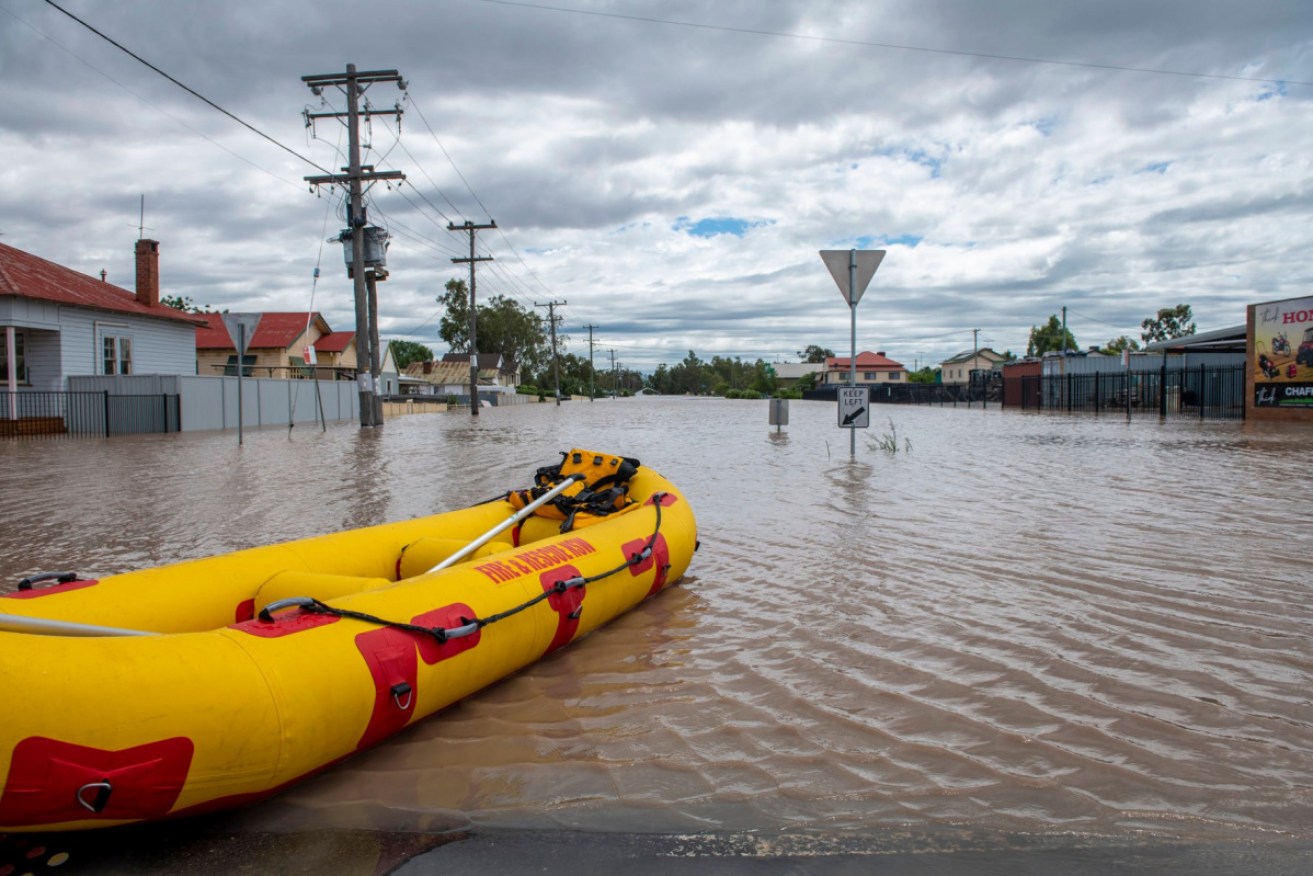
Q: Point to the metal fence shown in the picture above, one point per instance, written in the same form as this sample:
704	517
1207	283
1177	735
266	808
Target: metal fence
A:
80	414
950	395
1206	392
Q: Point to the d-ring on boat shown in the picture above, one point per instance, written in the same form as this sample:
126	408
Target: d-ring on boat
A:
213	683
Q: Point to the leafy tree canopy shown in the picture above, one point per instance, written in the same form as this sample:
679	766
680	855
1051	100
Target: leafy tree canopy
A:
406	352
1171	322
923	375
184	303
454	327
1116	345
1050	337
815	354
503	327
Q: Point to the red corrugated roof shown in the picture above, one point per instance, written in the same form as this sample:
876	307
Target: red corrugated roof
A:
24	275
281	330
214	334
335	342
866	360
277	330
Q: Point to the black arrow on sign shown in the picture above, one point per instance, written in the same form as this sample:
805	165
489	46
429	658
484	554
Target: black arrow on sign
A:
854	416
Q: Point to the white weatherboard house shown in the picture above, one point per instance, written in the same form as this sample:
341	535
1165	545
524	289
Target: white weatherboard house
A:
56	322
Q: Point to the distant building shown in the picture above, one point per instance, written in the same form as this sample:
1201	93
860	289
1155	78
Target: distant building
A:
56	322
872	368
277	349
494	369
787	374
956	370
437	378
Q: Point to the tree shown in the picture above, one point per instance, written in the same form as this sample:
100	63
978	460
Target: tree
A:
660	380
183	303
1116	345
1048	337
517	333
406	352
815	354
764	380
454	327
924	375
691	376
504	327
1171	322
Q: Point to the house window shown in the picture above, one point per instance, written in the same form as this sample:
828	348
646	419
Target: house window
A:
868	375
116	355
230	370
20	361
894	375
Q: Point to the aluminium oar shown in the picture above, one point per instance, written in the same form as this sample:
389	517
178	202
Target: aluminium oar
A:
507	524
14	623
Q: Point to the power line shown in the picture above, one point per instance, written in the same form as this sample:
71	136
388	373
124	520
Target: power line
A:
48	38
515	287
1099	321
420	113
415	161
415	104
877	45
185	88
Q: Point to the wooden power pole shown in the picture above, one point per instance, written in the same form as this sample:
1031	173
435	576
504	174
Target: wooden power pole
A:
592	384
474	310
556	364
355	176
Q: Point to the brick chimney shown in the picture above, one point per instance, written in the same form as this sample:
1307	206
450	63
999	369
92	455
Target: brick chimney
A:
148	273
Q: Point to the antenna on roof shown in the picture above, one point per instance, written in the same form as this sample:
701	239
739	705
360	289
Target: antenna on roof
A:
141	220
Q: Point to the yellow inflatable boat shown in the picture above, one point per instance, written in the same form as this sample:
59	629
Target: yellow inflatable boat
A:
216	682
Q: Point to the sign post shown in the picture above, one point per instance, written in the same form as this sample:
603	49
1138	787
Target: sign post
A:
779	413
852	270
854	407
241	328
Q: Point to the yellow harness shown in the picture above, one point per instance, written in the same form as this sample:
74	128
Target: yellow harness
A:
604	489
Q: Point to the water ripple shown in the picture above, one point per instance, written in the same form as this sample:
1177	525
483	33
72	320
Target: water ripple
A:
1023	623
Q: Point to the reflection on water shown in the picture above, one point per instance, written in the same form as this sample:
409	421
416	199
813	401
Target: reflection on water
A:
1023	623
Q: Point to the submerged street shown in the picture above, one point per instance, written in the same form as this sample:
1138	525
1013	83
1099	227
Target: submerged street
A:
1018	635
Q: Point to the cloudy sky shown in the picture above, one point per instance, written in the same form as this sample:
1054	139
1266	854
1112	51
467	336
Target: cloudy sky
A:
671	168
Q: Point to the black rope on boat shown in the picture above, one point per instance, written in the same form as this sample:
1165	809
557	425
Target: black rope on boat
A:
470	626
502	498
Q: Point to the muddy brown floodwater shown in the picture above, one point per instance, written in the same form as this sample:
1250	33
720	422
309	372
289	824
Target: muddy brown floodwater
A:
1017	623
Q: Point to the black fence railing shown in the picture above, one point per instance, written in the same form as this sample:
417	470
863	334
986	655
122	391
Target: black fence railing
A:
86	414
910	394
1215	392
1206	392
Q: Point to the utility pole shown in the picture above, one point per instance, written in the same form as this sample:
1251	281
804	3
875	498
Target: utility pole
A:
474	310
615	376
592	384
354	83
1062	363
975	353
556	365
